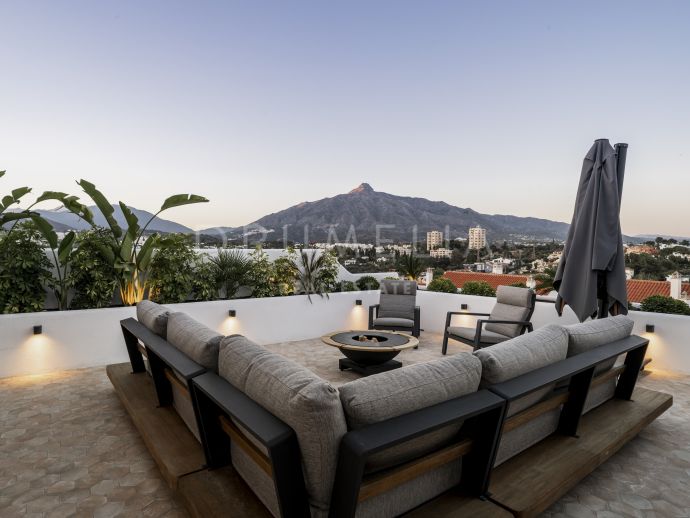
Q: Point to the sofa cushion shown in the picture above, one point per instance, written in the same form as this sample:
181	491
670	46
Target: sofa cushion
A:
521	355
468	334
153	316
401	391
397	299
305	402
393	322
593	333
194	339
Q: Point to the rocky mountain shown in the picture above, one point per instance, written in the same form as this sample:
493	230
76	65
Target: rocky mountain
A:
355	216
64	220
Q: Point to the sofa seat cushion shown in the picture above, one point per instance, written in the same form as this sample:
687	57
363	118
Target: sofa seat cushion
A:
194	339
153	316
305	402
521	355
467	333
390	394
393	322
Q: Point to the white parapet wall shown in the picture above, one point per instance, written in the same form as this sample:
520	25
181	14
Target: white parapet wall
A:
86	338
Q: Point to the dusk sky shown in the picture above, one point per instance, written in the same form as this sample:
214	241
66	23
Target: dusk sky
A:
262	105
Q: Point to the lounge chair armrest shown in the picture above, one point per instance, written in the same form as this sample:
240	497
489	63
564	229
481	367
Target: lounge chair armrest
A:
174	358
264	426
468	313
525	323
523	385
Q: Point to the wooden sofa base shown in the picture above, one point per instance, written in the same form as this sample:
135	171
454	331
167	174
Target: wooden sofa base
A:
532	481
525	485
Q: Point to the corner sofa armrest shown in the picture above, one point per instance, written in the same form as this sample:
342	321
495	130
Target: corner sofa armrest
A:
450	315
482	411
130	328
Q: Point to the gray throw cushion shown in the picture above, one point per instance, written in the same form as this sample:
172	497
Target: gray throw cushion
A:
512	303
397	299
593	333
153	316
468	333
393	322
194	339
521	355
401	391
305	402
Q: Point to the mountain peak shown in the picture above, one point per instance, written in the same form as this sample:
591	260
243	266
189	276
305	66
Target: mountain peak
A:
363	187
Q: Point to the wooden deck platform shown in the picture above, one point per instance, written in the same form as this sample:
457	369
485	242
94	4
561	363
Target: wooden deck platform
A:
524	486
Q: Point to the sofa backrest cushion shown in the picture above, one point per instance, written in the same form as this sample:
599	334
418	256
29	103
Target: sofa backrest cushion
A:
194	339
593	333
521	355
305	402
512	303
153	316
397	299
389	394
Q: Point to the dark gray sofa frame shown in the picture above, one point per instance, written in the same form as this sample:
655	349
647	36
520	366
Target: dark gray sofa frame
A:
218	404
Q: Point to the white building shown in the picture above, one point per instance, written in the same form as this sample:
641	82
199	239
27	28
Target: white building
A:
477	238
434	239
441	253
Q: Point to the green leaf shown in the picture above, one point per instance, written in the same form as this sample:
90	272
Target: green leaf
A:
132	220
21	191
66	247
103	205
46	231
52	195
146	252
2	173
126	247
7	201
178	200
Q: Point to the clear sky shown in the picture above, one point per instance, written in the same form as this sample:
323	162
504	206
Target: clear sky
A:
260	105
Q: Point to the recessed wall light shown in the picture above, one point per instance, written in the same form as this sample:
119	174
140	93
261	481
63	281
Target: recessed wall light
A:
38	330
358	302
232	313
463	306
649	328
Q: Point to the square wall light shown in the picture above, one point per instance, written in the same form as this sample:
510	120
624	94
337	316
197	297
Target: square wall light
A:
463	306
649	328
358	302
38	330
232	313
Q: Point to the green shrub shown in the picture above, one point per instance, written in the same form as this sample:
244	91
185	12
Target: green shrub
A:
367	282
204	281
443	285
284	275
480	288
518	285
24	268
348	286
91	275
261	274
232	271
661	304
171	272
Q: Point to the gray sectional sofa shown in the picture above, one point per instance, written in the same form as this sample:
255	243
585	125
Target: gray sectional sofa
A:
307	448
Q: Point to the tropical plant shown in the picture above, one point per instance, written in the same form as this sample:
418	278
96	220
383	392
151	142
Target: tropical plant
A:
91	276
24	269
348	286
8	200
171	271
204	283
545	280
314	273
328	273
368	282
480	288
662	304
284	274
261	274
443	285
231	268
130	260
410	267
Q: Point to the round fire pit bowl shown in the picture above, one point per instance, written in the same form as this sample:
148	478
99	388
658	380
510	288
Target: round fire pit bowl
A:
370	349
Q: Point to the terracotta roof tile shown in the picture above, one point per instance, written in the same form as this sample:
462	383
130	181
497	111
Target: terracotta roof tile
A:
638	289
493	279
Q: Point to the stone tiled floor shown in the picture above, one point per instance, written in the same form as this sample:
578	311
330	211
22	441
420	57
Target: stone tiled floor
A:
67	448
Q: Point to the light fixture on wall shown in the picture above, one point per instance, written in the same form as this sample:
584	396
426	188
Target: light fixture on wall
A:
649	328
358	302
463	307
38	330
232	313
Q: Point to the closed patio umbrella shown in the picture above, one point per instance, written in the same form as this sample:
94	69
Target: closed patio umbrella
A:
591	273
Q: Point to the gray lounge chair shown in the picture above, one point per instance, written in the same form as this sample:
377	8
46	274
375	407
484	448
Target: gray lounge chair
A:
509	318
396	310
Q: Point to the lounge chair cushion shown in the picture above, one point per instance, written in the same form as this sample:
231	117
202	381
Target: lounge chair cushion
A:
512	303
393	322
521	355
397	299
305	402
153	316
593	333
467	333
194	339
390	394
